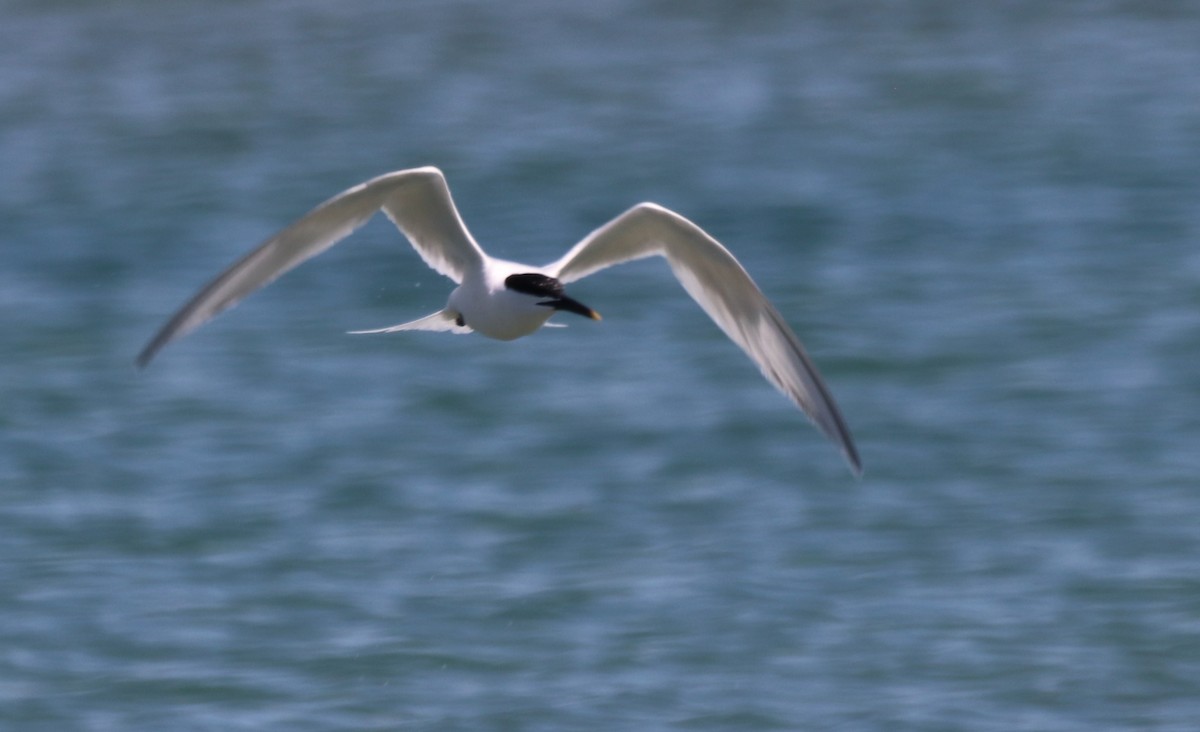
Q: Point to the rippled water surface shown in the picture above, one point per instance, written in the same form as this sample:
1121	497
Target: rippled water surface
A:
981	218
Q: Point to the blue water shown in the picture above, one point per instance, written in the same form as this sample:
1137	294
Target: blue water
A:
981	218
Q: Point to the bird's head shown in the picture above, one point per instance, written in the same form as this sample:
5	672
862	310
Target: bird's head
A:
543	286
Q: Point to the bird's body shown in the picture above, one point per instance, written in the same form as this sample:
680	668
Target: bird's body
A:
494	310
507	300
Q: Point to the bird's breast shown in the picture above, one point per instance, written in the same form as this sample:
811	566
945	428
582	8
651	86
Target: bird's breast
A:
498	313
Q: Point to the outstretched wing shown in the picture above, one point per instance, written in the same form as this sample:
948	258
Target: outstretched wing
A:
719	284
417	201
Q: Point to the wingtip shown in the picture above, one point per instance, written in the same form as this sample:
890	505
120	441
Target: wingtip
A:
144	358
151	349
850	456
850	452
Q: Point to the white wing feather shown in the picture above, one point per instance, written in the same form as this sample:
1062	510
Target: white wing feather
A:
417	201
719	284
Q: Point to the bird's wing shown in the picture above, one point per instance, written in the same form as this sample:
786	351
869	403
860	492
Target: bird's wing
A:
719	284
417	201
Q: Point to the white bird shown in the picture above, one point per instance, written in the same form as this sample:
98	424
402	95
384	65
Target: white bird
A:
506	300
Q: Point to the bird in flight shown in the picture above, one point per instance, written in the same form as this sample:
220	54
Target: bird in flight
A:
506	300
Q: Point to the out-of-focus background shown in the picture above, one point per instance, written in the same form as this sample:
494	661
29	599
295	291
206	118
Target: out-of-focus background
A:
981	218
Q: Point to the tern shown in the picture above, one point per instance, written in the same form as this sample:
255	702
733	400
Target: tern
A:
506	300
